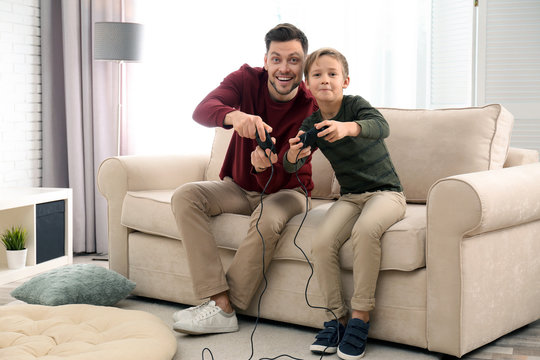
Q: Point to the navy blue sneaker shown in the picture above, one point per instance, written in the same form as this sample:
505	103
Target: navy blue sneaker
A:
353	345
328	338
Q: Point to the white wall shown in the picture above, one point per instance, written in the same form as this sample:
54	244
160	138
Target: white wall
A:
20	93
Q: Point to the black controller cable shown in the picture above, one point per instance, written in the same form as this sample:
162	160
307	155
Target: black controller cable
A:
264	275
309	262
264	269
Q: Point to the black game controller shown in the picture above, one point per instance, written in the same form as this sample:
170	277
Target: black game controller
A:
310	137
267	144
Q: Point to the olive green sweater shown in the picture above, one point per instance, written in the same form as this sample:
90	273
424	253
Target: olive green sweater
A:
361	163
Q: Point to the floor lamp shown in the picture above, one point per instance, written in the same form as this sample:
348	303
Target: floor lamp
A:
120	42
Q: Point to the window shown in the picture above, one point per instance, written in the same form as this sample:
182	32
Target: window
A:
509	64
192	46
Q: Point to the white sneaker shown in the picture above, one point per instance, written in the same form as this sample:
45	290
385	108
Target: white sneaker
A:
207	318
189	313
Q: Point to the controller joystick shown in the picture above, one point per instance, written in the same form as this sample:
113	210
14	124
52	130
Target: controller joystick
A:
310	137
267	144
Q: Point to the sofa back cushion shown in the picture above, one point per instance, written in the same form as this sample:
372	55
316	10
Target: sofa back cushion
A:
325	183
427	145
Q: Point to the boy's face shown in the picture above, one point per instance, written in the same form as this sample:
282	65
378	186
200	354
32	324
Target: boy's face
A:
326	80
284	62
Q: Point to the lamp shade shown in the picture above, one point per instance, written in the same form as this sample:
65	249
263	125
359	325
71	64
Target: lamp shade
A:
120	41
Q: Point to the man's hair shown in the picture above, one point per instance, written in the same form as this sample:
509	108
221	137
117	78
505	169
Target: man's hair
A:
330	52
286	32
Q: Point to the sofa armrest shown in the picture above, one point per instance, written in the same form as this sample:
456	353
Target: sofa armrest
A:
118	175
518	156
473	222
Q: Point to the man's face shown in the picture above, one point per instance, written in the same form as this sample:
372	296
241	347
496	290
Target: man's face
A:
284	63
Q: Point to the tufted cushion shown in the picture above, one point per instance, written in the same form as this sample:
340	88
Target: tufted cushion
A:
83	332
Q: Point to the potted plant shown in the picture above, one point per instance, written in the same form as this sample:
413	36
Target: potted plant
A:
14	240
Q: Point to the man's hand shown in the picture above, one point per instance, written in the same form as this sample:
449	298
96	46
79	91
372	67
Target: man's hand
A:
262	161
296	152
338	130
246	125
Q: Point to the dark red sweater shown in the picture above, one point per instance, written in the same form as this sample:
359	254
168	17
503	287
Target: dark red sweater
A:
247	90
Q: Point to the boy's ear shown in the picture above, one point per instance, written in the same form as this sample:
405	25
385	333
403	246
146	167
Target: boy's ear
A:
346	82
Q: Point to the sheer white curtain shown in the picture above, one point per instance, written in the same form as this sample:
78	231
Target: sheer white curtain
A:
191	46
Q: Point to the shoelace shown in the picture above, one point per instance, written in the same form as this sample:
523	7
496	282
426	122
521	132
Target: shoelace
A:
195	308
207	312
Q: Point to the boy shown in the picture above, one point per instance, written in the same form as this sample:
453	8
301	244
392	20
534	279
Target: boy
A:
371	198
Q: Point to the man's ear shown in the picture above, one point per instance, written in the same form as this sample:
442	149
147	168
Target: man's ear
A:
266	62
346	82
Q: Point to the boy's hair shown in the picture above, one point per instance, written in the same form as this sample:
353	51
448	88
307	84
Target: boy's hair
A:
286	32
330	52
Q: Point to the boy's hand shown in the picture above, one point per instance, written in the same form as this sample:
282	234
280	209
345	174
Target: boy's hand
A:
262	161
246	125
338	130
296	152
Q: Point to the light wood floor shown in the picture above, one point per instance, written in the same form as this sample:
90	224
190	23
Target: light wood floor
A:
522	344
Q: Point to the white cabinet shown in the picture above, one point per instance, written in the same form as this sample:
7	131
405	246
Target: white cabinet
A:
18	207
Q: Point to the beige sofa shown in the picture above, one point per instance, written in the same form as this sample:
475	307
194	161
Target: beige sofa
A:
460	270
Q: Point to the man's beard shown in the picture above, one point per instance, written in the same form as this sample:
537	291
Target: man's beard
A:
294	86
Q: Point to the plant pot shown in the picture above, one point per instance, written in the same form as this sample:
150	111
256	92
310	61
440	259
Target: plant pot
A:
16	259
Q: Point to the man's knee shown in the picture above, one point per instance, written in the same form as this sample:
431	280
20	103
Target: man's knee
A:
185	197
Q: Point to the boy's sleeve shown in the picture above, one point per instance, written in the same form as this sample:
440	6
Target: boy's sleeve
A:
373	124
290	167
287	165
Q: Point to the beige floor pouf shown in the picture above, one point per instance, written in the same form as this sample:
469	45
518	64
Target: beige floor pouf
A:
82	332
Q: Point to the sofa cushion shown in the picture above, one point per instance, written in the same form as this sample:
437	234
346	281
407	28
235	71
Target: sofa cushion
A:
403	244
83	332
150	212
75	284
428	145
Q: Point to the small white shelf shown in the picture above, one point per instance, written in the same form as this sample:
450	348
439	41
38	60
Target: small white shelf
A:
18	207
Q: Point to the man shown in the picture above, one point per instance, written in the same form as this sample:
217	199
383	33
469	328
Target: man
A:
249	100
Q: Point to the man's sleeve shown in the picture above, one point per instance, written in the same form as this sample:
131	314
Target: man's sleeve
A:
219	102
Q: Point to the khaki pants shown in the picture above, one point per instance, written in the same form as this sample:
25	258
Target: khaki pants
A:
363	218
194	203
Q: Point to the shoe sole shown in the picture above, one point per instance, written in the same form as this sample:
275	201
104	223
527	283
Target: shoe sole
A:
205	332
320	349
350	357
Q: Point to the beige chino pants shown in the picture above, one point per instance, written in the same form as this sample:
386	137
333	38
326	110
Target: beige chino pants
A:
363	218
194	203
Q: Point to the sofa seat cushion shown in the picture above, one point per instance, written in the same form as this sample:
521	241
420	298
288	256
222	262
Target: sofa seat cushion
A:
150	212
403	244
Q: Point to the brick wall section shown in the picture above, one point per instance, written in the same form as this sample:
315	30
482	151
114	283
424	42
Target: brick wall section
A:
20	93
